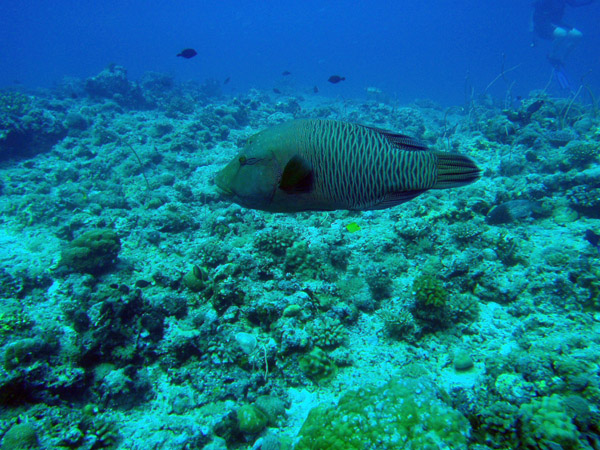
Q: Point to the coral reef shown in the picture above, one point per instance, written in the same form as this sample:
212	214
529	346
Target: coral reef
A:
27	126
112	83
139	309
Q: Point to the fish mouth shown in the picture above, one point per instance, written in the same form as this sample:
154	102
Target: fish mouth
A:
221	187
222	190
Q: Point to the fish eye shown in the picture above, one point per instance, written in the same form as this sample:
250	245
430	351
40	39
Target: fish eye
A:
243	160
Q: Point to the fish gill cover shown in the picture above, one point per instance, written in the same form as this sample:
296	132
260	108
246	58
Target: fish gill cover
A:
139	308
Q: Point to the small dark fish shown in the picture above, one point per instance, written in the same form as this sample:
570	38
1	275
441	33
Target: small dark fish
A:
315	89
335	79
593	239
122	288
227	80
524	114
277	91
534	107
285	73
187	53
142	283
512	211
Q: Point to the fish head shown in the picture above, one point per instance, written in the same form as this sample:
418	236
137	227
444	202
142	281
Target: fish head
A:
251	178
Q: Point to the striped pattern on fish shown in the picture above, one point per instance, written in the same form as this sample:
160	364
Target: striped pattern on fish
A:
356	166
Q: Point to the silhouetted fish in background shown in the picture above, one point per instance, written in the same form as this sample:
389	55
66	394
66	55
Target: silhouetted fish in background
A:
324	165
335	79
534	107
187	53
593	239
525	116
277	91
226	80
285	73
315	89
511	211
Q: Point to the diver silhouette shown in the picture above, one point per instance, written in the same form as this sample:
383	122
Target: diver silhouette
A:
548	24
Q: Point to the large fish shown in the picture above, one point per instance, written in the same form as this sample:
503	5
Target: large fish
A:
322	165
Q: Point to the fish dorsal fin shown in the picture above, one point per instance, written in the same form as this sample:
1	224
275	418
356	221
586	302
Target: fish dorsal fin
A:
401	141
297	177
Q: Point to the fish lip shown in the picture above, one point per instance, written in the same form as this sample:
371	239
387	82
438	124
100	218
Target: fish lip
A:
221	187
222	190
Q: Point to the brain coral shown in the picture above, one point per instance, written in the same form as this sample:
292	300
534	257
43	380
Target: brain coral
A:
93	252
402	414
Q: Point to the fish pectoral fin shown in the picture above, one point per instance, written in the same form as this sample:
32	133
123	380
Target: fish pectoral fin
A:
298	176
401	141
396	198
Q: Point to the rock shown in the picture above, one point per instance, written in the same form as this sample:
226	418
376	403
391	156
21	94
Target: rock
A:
462	361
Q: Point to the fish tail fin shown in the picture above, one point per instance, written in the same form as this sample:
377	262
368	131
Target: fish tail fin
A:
455	170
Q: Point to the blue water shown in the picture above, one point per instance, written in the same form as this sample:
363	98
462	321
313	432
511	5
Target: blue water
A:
436	49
